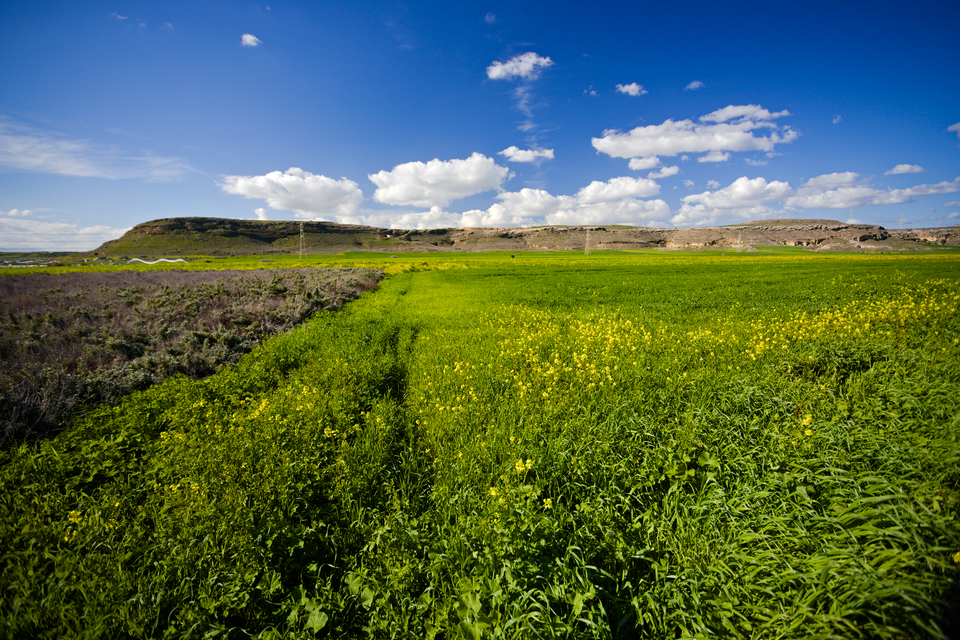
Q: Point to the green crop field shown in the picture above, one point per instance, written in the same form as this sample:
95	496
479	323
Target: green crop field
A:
621	445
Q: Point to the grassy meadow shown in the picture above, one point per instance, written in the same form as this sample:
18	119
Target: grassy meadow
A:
625	445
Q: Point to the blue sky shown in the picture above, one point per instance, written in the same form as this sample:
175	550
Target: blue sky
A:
433	114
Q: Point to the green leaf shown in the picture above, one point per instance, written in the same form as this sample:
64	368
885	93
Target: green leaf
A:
316	621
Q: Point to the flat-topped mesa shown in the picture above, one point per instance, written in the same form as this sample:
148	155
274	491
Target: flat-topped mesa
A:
219	236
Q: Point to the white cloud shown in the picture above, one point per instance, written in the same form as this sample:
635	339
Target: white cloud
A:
837	119
713	184
755	163
515	209
435	218
742	193
261	213
830	181
611	202
26	149
627	211
955	128
700	215
437	182
741	113
632	89
617	189
673	138
526	65
846	190
745	198
16	213
688	184
665	172
515	154
904	168
300	191
952	203
490	18
249	40
17	234
642	164
714	156
955	214
696	84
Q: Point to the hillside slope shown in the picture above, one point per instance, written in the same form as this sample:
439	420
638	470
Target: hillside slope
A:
219	236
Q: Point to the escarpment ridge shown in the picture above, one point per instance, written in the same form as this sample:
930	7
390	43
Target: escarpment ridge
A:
220	236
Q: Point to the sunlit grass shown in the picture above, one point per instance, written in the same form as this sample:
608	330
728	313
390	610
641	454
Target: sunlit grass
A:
614	446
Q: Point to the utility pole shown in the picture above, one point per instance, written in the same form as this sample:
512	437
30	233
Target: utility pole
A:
586	246
301	242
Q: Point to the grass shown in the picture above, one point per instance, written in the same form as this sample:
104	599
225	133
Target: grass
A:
619	446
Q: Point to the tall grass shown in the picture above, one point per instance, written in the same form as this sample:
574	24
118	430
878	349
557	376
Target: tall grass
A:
610	448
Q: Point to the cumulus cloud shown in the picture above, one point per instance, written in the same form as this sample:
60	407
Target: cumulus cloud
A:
16	213
741	113
847	190
632	89
713	184
515	209
26	149
955	214
249	40
688	184
261	213
955	128
733	131
743	192
642	164
952	203
617	189
714	156
434	218
904	168
665	172
755	163
612	202
297	190
525	65
515	154
745	198
490	18
627	211
837	119
19	234
696	84
437	182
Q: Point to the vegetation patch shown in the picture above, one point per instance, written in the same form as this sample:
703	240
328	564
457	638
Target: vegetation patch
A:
79	339
619	446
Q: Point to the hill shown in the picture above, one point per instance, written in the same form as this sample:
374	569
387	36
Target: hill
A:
219	236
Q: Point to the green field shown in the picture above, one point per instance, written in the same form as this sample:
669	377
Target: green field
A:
625	445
